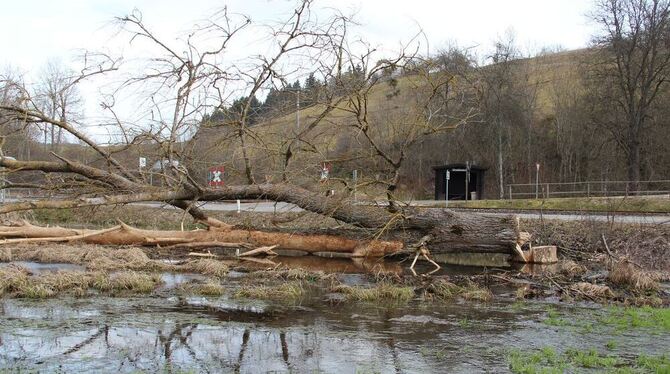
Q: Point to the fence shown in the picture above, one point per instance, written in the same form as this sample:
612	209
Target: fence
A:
587	189
8	195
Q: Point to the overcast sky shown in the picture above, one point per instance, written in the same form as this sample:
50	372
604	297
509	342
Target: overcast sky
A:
35	31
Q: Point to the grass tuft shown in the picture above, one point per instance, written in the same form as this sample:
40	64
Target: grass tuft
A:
591	359
547	360
209	267
5	254
210	288
126	281
380	292
627	275
593	291
16	281
571	268
289	291
445	290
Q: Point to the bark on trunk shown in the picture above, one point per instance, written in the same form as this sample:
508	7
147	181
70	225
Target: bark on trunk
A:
126	235
449	231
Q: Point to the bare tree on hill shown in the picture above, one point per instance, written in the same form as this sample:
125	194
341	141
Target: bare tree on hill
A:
632	71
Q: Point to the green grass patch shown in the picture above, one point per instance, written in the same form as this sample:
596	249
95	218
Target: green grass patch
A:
657	319
554	318
590	359
545	361
619	318
657	364
548	361
596	204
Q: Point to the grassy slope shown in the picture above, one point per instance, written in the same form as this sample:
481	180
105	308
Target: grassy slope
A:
542	72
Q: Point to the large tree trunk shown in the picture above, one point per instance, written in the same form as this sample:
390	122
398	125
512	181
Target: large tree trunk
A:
449	230
213	237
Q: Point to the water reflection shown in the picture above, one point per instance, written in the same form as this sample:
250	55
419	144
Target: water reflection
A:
128	335
198	334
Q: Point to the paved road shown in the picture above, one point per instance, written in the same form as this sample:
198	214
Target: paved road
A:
599	217
262	206
265	206
634	219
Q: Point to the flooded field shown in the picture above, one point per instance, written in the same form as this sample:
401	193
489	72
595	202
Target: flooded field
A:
319	331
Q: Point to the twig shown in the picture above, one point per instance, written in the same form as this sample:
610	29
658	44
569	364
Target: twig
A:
607	248
207	245
267	250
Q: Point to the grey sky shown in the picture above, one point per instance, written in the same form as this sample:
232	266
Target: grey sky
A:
35	30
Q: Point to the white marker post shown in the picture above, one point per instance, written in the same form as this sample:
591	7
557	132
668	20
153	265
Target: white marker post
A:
537	179
239	206
355	178
446	192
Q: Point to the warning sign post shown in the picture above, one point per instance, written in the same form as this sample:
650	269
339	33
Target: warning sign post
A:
215	176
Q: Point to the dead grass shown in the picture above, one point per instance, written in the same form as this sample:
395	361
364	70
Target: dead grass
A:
292	274
107	259
130	281
126	258
592	291
210	288
5	254
378	293
626	274
12	278
92	256
289	291
209	267
571	268
648	245
445	290
16	281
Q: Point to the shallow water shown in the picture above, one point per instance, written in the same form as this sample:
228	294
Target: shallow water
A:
36	267
321	333
224	335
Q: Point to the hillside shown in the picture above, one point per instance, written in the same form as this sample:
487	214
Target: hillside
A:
544	79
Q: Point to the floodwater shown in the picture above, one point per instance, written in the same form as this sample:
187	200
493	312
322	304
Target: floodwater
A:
318	334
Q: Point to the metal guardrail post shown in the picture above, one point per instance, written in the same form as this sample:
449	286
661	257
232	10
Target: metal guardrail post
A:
547	196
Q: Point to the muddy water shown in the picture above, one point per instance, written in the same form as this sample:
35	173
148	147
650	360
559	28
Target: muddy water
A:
318	334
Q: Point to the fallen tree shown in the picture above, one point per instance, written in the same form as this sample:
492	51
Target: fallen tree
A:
449	231
184	82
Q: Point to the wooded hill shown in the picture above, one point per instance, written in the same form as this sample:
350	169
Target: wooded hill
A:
548	114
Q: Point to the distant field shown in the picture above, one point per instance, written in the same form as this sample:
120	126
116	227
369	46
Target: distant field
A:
621	204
